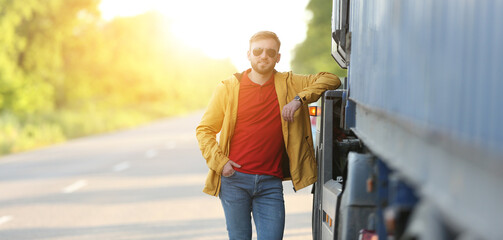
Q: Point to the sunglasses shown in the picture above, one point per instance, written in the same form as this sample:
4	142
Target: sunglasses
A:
270	52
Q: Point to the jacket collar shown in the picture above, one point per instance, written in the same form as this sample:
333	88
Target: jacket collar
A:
240	75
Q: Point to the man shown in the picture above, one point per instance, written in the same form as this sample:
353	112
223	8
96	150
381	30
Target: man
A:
265	137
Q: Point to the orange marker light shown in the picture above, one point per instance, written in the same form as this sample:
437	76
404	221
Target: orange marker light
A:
314	111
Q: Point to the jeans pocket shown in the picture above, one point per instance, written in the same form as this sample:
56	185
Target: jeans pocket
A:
233	174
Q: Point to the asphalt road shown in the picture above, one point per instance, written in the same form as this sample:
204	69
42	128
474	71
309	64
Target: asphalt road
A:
142	184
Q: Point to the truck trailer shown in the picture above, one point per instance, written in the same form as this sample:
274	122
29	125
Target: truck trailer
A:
411	145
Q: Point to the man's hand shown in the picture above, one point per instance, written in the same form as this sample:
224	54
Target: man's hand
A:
290	109
228	168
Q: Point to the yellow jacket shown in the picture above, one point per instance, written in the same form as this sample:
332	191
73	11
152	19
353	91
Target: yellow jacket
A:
221	114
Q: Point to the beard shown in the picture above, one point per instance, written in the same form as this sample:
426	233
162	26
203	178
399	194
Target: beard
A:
264	69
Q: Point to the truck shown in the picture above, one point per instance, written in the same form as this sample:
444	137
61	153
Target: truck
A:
411	145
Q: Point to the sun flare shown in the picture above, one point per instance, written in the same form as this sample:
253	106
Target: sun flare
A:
222	28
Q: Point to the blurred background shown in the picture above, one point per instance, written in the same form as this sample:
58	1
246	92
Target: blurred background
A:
72	68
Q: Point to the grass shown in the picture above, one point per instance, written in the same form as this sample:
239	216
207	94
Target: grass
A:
41	130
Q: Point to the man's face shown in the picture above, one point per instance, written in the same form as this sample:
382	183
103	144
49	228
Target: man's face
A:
260	55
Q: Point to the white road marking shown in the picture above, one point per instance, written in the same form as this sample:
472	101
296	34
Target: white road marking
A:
151	153
75	186
171	145
5	219
121	167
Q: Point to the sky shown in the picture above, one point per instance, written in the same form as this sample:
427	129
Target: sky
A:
222	28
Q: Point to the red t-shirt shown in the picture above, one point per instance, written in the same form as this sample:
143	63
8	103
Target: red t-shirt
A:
257	144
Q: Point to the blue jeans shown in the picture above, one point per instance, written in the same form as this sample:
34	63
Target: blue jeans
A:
242	194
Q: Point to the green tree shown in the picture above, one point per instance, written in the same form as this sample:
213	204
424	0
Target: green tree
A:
33	32
65	72
314	54
135	62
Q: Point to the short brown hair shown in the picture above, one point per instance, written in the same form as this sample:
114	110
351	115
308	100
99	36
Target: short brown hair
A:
265	35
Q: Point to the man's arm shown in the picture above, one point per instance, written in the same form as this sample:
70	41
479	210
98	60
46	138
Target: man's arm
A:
210	125
315	85
312	86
